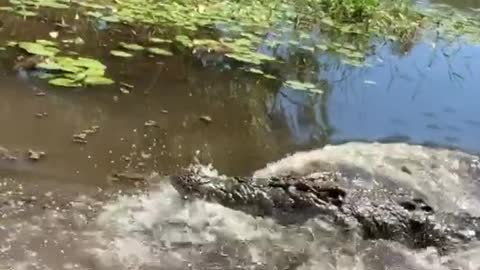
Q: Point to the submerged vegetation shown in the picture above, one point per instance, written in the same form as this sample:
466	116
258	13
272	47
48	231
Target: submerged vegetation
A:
252	33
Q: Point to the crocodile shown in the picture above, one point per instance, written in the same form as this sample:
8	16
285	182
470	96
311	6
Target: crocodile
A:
397	216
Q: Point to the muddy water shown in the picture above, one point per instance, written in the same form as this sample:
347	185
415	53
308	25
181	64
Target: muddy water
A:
55	216
174	93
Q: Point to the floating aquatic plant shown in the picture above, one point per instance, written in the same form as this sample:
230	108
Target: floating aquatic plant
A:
64	71
131	46
347	27
159	51
120	53
303	86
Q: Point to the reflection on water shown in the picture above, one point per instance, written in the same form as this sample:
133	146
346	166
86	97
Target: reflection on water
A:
463	4
304	115
429	96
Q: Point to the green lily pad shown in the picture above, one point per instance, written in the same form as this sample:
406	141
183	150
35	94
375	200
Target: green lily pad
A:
26	13
64	82
112	19
255	71
131	46
38	49
46	42
12	44
159	40
159	51
96	80
89	63
328	21
78	77
119	53
49	65
244	58
45	76
184	40
94	72
76	41
95	14
303	86
205	42
269	76
322	47
53	4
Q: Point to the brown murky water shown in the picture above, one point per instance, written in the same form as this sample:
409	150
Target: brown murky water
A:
173	92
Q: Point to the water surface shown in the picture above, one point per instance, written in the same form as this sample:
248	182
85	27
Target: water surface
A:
61	212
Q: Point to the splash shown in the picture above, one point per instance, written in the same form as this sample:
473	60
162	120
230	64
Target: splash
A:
159	230
447	178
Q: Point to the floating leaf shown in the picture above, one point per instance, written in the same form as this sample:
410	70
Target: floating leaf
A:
244	58
328	21
119	53
52	4
90	5
49	65
131	46
255	70
307	48
159	40
76	41
96	80
160	51
44	75
38	49
112	19
95	14
78	77
205	42
184	40
322	47
269	76
53	34
89	63
26	13
65	82
46	42
303	86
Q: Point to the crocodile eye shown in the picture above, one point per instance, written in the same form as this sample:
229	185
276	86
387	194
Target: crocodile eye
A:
426	208
408	205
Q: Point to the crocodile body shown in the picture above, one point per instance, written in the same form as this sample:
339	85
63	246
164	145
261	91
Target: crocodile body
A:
375	214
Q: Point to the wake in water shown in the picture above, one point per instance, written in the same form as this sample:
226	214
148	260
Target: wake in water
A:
160	230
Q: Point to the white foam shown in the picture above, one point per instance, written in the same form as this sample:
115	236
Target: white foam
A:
159	230
449	179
